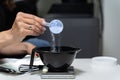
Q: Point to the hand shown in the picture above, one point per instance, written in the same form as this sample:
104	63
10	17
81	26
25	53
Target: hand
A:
27	24
21	48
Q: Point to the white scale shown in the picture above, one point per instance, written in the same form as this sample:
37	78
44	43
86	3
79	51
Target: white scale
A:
69	74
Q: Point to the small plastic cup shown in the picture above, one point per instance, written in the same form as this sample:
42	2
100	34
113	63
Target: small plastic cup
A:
55	26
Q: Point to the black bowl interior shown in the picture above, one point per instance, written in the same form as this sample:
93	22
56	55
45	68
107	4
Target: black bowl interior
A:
57	61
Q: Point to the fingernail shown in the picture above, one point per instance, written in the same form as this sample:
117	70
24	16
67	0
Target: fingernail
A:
44	28
44	22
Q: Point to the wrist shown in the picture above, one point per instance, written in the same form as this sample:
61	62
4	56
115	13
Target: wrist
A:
15	35
5	36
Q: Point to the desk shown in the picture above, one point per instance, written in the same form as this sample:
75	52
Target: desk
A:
83	71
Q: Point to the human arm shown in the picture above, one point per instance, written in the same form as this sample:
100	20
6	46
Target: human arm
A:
17	49
20	30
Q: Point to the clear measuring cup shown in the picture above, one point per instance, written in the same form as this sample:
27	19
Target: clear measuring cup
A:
55	26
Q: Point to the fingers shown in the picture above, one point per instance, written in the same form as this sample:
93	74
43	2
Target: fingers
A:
37	54
34	18
30	29
31	24
30	21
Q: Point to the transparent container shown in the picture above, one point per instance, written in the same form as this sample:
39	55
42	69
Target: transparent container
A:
55	26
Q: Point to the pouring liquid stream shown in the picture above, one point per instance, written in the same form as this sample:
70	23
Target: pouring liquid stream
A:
55	27
55	42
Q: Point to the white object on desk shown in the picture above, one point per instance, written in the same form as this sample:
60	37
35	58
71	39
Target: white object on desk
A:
14	64
104	63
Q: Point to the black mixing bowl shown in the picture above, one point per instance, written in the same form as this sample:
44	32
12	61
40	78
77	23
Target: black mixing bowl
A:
58	60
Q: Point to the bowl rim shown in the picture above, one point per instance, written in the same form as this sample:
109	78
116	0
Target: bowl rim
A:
73	49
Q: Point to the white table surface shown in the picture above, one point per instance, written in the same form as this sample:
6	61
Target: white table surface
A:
83	71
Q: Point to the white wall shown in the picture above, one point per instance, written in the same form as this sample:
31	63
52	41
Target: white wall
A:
111	35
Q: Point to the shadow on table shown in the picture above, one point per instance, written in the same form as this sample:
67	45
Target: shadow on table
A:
78	72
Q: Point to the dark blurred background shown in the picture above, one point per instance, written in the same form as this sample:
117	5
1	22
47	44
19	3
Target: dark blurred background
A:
83	24
82	21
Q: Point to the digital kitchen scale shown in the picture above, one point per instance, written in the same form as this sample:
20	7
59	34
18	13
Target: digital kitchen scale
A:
68	74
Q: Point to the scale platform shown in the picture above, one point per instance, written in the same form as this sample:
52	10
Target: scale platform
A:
69	74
